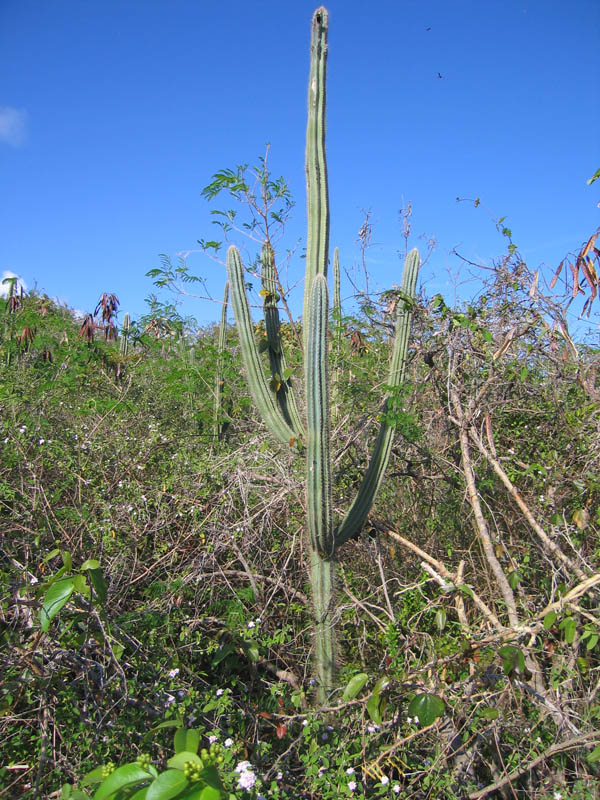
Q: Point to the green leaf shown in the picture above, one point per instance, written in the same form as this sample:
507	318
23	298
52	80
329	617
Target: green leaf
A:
141	794
354	685
66	557
209	793
569	627
122	777
591	642
169	784
91	563
181	757
251	651
192	740
381	684
549	620
427	707
514	579
374	708
223	652
514	660
180	741
591	180
465	590
489	713
80	584
56	596
594	756
210	776
99	584
52	554
287	373
94	776
168	723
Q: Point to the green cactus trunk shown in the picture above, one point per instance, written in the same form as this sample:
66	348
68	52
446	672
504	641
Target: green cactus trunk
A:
279	410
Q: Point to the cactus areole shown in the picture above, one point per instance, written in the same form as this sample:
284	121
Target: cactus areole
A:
274	395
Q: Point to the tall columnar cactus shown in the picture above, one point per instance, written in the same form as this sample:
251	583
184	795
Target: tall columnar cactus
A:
125	330
278	407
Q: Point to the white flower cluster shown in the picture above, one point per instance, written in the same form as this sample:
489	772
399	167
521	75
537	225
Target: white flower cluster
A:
247	778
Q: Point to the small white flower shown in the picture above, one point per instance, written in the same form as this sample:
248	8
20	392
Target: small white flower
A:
350	771
243	766
220	692
372	728
396	788
247	780
304	723
557	795
169	701
228	742
352	785
385	780
212	738
41	441
251	624
33	580
173	672
279	776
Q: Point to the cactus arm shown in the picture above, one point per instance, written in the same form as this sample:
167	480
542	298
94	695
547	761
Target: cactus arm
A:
359	510
283	391
263	397
317	240
318	482
219	375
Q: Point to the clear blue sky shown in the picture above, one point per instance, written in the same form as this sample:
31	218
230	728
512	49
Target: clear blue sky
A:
115	113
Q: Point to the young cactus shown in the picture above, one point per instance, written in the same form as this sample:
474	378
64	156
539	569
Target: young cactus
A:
278	407
125	330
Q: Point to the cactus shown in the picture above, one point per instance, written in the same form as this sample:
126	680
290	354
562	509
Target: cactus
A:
218	425
125	329
280	379
276	402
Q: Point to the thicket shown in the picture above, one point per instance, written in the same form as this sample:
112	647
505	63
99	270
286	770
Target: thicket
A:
156	590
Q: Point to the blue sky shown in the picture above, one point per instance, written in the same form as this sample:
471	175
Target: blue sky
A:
115	113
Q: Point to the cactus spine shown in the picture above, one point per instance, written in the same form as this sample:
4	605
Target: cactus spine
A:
125	330
278	410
